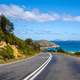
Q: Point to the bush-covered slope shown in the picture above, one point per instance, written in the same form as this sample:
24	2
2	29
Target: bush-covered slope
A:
12	47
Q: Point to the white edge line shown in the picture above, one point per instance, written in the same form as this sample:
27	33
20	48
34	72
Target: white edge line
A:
39	70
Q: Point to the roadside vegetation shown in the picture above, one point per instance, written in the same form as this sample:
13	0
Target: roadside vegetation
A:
60	50
12	47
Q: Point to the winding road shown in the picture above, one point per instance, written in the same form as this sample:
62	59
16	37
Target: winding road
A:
19	70
61	67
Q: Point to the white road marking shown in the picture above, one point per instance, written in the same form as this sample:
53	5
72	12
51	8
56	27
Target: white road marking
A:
34	74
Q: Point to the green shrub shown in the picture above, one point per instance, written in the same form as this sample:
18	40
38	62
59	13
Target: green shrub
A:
60	50
77	53
1	57
1	35
3	54
7	53
29	41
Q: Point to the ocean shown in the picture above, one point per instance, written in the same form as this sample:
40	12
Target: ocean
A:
71	46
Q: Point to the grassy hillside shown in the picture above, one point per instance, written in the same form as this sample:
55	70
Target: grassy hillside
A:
12	47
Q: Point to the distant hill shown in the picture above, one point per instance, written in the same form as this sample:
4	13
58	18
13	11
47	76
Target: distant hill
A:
46	43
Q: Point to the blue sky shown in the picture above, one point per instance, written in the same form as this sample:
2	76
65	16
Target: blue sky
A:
44	19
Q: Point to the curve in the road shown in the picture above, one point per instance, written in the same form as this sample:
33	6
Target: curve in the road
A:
34	74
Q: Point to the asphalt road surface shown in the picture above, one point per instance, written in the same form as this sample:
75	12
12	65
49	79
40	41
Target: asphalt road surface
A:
19	70
61	68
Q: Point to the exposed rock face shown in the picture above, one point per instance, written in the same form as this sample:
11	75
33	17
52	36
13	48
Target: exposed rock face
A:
16	53
2	44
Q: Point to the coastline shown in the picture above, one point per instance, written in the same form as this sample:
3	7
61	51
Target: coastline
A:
65	54
69	46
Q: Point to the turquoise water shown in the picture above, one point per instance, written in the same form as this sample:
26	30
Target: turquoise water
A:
72	46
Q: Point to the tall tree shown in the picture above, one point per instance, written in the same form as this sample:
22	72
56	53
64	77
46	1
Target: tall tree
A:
5	24
29	41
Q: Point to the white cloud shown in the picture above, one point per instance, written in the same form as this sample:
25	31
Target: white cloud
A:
67	18
20	12
77	18
71	18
